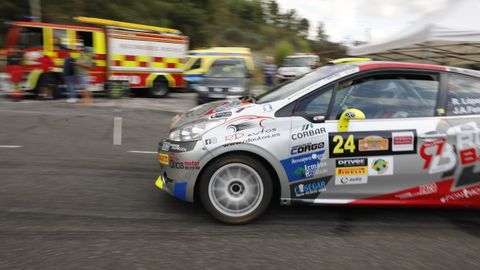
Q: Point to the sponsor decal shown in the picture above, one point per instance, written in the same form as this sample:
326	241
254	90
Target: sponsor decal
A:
221	115
175	163
169	146
304	166
210	141
267	108
239	130
308	130
351	171
372	143
380	166
423	190
464	105
305	148
234	137
402	141
234	128
438	156
227	106
163	158
309	189
463	194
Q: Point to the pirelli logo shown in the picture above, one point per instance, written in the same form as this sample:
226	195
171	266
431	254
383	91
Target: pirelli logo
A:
351	170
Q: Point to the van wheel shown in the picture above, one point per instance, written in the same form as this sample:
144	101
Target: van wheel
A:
159	89
236	189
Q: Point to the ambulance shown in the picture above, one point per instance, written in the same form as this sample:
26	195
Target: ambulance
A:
199	61
142	55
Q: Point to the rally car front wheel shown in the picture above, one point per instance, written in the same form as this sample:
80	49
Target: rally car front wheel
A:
236	189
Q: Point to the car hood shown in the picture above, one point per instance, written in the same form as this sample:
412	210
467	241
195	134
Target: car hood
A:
213	110
223	82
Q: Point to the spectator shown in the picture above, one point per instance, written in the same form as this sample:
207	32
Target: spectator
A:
69	76
269	70
82	66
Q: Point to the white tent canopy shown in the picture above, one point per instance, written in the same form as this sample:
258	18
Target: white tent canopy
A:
448	36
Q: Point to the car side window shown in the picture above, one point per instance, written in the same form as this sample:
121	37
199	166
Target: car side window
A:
463	95
388	96
197	64
315	104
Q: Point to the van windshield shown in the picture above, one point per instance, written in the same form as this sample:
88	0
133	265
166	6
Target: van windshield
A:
229	70
298	61
284	90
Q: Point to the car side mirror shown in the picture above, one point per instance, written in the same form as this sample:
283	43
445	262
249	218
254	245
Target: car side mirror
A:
347	115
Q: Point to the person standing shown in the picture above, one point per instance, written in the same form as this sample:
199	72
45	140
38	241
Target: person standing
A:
82	66
269	70
69	76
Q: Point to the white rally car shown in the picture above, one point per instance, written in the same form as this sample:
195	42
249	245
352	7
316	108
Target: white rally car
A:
362	133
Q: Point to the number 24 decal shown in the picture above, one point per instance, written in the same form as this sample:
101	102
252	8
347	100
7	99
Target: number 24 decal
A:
341	147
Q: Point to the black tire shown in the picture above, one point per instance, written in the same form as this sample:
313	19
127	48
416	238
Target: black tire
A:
257	207
159	89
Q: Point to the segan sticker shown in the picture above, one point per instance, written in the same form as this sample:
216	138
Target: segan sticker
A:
378	166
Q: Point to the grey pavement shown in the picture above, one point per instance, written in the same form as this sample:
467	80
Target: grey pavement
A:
69	199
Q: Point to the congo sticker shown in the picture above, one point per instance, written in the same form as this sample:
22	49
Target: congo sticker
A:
371	143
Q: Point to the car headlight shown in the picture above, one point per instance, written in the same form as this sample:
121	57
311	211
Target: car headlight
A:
193	131
201	88
236	89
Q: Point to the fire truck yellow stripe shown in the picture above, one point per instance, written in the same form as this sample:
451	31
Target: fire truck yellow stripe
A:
47	39
99	42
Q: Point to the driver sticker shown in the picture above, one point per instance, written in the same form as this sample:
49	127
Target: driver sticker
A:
372	143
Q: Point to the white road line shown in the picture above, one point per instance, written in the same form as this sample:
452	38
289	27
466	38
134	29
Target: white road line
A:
142	152
11	146
117	130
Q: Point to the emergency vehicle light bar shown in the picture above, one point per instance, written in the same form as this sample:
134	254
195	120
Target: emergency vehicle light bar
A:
125	24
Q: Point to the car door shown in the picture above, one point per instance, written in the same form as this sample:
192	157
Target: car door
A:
379	155
462	98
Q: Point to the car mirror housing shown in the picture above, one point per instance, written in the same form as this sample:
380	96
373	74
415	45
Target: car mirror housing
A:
347	115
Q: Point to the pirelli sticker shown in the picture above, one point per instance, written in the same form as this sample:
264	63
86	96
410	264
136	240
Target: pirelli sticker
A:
372	143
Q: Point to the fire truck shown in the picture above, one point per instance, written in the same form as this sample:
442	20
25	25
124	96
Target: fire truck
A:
144	56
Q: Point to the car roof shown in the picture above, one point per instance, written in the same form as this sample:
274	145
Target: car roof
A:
367	65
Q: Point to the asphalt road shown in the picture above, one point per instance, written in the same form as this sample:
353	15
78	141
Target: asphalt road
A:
70	199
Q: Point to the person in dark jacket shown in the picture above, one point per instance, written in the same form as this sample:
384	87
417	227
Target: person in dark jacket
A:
69	77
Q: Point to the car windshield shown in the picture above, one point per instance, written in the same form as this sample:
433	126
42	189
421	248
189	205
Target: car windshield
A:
230	70
284	90
298	61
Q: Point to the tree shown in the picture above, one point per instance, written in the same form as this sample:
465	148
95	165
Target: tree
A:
303	28
273	12
321	35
